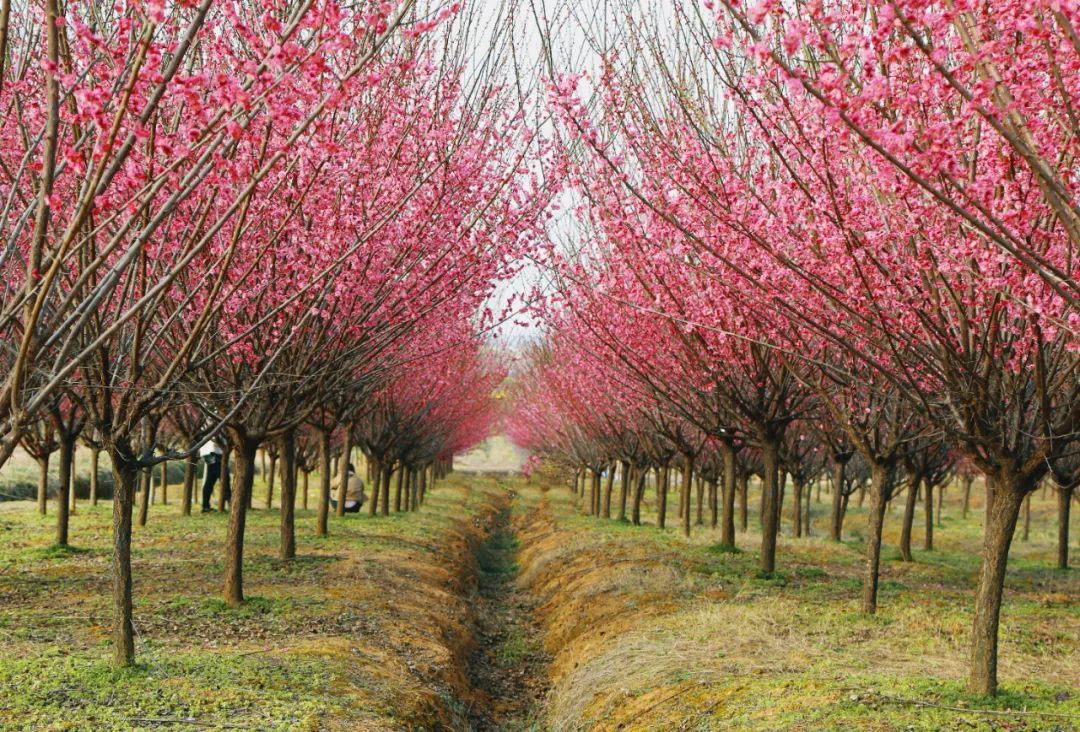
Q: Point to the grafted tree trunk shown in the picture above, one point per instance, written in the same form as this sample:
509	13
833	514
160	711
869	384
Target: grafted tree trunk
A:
1008	495
124	474
246	448
875	522
322	520
287	454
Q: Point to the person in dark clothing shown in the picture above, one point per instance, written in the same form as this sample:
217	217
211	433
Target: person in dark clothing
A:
211	455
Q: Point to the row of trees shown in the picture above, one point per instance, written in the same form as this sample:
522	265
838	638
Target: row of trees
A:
828	230
270	221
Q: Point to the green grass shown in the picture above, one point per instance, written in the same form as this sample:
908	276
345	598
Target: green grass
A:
712	644
360	629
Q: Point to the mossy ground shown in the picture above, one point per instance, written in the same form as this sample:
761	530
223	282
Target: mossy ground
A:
368	628
651	631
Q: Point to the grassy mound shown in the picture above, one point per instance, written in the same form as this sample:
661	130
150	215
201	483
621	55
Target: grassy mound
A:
650	631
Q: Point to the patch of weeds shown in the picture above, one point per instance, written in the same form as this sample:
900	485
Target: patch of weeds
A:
811	573
775	578
723	549
56	551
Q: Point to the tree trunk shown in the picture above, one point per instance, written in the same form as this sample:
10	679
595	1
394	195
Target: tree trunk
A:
124	475
146	486
713	490
806	511
770	525
639	493
836	525
1027	518
95	456
967	479
307	486
624	489
727	533
383	471
875	522
189	486
71	477
608	486
797	506
940	501
397	494
224	484
1008	496
385	497
270	481
909	517
246	448
1064	497
700	483
414	490
928	539
661	497
43	484
343	471
781	496
67	452
287	453
321	521
686	485
744	498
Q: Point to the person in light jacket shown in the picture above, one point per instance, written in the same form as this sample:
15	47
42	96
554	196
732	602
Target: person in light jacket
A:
354	492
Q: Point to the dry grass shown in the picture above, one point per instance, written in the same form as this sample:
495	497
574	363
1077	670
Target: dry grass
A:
368	629
653	632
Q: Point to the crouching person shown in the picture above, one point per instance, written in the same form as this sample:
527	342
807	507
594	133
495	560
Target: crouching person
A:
354	492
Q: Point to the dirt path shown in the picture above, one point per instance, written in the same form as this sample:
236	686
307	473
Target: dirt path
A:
507	669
